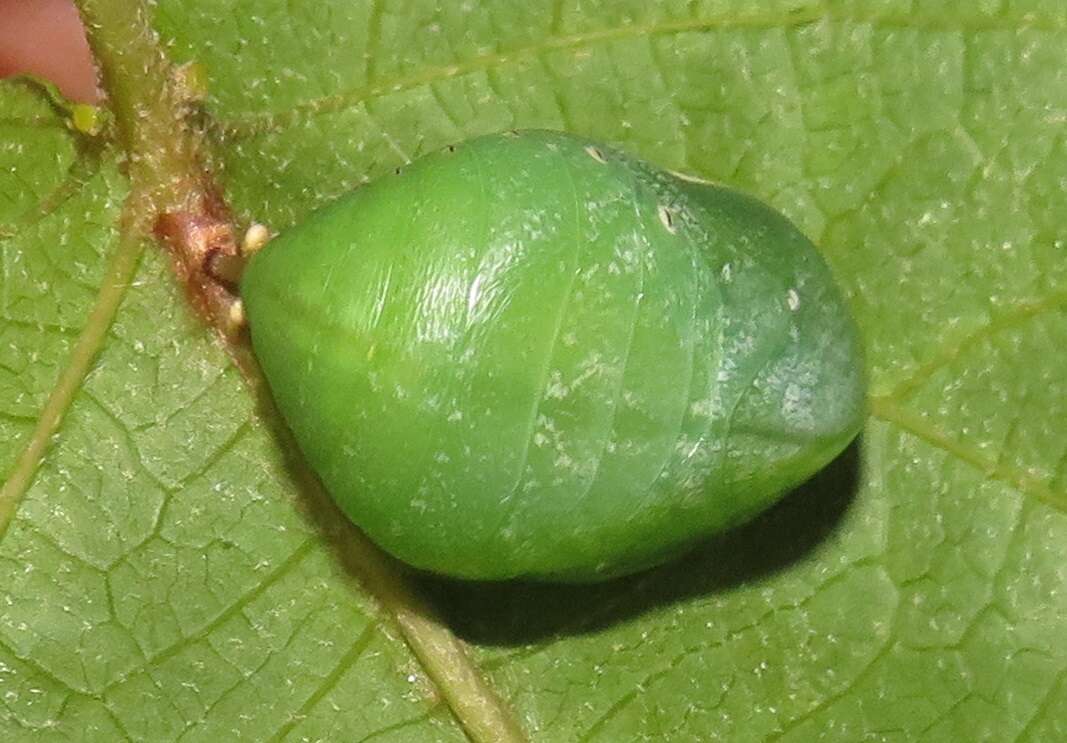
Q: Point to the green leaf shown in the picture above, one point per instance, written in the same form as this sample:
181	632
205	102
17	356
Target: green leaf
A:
162	574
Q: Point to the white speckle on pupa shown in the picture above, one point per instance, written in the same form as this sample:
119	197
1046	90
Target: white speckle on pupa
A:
793	300
474	293
556	389
596	154
667	219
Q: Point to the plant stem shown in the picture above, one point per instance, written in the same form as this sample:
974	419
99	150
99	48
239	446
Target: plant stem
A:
172	193
148	112
170	186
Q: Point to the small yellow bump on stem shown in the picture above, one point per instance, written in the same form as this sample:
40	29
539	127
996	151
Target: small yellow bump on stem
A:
235	319
255	238
87	119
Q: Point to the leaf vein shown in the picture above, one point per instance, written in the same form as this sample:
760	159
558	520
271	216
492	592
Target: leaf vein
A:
283	569
253	124
1019	315
887	411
